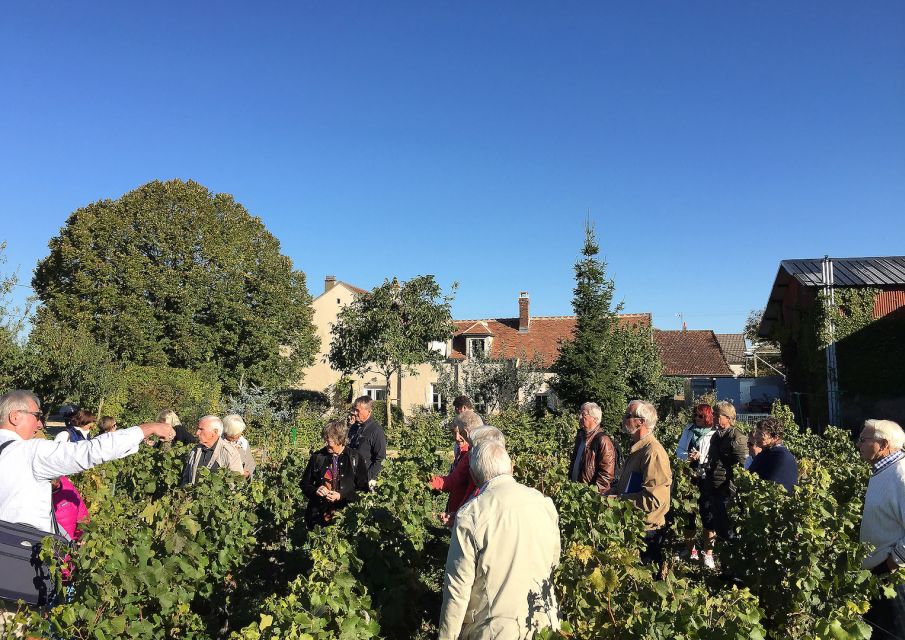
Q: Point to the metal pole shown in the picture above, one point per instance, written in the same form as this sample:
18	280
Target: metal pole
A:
832	369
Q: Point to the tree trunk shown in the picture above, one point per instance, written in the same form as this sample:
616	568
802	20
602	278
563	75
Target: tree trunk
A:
399	389
388	404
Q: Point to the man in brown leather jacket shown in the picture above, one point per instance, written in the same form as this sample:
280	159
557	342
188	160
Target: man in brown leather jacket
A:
593	458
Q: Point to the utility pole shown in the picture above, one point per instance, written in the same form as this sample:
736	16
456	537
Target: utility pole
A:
832	367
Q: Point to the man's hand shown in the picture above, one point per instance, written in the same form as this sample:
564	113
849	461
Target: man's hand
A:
322	491
436	482
332	496
160	429
891	564
694	455
445	519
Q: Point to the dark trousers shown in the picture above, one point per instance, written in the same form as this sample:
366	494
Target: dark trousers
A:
887	616
715	515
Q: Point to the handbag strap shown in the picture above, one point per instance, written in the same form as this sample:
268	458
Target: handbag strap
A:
5	445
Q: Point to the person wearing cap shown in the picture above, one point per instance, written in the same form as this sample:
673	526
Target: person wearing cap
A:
233	428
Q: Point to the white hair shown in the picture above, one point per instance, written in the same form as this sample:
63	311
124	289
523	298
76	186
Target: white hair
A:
889	431
16	401
233	425
215	423
593	410
486	433
644	410
489	460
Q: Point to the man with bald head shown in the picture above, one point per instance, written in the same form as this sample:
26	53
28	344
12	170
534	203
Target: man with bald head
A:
211	452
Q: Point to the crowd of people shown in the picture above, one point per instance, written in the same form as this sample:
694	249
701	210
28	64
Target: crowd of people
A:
504	539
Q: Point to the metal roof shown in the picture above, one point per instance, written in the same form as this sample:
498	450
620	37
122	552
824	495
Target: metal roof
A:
847	272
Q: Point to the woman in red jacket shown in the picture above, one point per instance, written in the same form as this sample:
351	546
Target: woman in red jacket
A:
458	483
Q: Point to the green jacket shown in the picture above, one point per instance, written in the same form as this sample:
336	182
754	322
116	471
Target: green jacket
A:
728	450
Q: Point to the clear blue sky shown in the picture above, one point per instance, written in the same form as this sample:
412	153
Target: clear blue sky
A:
709	140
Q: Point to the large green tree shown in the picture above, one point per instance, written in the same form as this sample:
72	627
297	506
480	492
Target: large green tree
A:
11	355
173	274
390	330
588	368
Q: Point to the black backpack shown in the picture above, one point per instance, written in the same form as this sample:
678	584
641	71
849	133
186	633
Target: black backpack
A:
22	574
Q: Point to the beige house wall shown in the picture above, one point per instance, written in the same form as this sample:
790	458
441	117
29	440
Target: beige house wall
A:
321	376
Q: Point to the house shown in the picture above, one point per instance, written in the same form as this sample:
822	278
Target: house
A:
693	354
523	338
868	315
733	347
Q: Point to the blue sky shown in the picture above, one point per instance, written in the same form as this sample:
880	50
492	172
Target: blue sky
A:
708	140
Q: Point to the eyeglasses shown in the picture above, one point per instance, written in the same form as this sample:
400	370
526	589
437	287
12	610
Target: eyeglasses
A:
39	415
863	439
629	416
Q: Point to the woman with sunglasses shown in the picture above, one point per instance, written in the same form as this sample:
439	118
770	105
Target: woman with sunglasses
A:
694	445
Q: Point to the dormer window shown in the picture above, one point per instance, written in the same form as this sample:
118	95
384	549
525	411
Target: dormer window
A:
476	347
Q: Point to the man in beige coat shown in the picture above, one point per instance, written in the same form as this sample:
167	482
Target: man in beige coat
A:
504	548
212	452
646	476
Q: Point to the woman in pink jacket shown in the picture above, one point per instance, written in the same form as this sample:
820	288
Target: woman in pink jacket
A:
68	506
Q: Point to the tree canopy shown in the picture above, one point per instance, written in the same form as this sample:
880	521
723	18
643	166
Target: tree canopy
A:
172	274
390	329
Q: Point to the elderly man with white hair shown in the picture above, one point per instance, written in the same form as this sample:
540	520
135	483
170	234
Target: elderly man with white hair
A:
646	476
211	452
505	546
883	522
594	454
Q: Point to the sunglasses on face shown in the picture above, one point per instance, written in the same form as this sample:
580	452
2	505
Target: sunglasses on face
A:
39	415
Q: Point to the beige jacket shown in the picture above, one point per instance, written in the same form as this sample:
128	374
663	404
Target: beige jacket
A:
646	479
225	455
499	571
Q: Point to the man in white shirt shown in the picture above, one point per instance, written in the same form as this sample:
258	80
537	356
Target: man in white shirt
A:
28	464
883	521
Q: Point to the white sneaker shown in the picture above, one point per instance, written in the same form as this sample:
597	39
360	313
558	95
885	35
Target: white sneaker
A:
708	560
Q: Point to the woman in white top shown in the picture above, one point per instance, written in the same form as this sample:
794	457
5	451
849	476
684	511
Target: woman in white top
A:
694	445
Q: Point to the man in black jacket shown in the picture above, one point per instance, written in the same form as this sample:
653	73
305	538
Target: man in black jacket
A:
367	437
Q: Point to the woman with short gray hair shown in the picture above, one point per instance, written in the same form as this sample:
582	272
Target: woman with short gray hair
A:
233	430
334	476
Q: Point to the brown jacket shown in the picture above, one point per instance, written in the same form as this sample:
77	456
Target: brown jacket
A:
646	479
598	462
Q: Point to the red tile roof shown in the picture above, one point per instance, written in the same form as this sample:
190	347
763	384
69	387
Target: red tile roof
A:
542	338
691	353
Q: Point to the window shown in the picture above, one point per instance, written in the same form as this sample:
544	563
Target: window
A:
376	393
541	402
436	398
476	347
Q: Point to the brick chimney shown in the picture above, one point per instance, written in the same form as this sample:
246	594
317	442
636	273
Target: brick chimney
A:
524	318
329	283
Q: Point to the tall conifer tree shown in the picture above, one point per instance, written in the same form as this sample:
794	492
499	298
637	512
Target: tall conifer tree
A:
587	369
